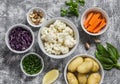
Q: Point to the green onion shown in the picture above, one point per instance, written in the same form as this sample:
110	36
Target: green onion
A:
32	64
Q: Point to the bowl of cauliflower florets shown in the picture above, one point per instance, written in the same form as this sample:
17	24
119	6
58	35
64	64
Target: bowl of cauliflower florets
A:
58	38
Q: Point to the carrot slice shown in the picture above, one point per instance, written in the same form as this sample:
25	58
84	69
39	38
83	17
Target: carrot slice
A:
92	27
103	23
88	19
94	18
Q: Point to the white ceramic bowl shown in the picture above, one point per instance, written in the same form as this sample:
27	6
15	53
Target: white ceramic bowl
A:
21	66
97	9
84	55
7	38
28	19
69	23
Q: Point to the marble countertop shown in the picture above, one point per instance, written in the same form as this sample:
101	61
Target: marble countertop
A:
14	11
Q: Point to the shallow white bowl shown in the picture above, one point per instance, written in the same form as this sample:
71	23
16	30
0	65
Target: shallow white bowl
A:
28	19
97	9
84	55
21	66
7	38
69	23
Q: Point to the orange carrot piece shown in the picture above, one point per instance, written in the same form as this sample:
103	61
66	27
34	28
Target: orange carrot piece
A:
92	27
103	23
94	18
88	19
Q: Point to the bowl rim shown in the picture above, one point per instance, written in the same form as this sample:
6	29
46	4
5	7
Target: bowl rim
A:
42	61
7	39
69	23
84	55
31	9
104	13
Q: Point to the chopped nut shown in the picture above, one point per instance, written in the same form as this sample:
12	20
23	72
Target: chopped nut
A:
97	40
42	20
87	46
33	20
36	17
40	14
31	15
34	11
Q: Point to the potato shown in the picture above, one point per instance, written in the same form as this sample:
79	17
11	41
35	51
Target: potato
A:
71	78
82	78
95	64
94	78
85	67
72	67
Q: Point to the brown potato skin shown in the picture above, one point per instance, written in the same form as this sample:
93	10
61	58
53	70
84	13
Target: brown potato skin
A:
72	67
82	78
71	78
94	78
96	66
85	67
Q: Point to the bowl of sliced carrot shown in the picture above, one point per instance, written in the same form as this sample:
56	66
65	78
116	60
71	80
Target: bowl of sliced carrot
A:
94	21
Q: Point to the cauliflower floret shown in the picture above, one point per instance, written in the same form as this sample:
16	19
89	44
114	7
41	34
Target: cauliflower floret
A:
50	36
59	25
53	29
45	31
69	41
48	47
56	48
61	37
64	49
68	30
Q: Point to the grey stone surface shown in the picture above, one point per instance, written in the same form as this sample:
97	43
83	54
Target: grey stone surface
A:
14	11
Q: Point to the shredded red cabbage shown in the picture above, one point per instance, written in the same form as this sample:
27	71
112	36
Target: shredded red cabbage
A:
20	38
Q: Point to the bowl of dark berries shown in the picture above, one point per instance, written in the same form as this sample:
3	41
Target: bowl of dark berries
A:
19	38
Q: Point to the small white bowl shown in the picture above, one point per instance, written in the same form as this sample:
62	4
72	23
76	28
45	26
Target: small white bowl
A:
21	66
84	55
69	23
96	9
7	38
28	18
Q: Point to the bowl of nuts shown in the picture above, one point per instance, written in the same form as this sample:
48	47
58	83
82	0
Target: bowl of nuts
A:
36	16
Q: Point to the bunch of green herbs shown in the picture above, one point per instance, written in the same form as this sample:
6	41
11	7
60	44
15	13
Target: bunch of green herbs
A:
108	56
73	8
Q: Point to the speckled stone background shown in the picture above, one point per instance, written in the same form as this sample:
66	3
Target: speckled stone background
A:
14	11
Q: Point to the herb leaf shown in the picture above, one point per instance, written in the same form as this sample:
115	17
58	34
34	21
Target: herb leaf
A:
82	2
103	59
107	67
113	51
64	12
101	49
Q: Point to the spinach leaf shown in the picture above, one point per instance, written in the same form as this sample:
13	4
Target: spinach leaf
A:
112	50
103	59
107	66
101	49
